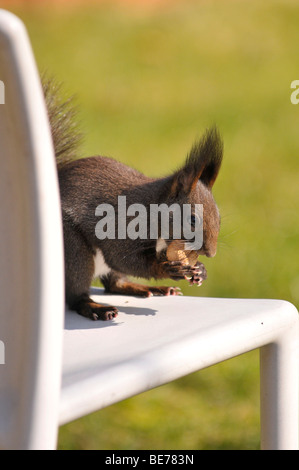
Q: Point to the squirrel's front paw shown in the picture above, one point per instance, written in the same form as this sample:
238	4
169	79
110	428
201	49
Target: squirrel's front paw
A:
199	275
178	270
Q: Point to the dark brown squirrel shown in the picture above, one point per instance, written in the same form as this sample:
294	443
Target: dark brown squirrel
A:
86	183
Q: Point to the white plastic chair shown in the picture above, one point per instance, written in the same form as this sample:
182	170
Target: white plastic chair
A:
60	366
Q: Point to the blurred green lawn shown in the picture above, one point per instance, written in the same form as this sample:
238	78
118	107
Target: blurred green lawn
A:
148	81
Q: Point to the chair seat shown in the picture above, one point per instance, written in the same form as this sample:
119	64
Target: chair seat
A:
154	341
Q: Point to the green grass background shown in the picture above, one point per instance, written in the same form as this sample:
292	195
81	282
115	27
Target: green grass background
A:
148	81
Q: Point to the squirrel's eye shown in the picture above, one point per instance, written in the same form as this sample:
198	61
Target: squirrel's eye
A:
191	220
194	220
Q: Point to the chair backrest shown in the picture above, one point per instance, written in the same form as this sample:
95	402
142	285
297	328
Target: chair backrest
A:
31	251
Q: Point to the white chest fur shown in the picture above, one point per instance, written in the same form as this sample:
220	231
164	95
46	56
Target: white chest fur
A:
100	267
161	245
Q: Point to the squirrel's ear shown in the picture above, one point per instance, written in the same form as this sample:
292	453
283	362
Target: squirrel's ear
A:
211	151
203	163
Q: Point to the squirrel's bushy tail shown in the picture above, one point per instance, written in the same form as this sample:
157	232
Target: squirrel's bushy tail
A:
63	122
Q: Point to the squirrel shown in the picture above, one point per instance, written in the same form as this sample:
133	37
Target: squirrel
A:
85	183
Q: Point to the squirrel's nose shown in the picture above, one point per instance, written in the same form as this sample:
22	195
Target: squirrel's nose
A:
210	252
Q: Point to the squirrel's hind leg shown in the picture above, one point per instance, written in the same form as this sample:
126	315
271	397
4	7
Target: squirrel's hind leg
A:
79	270
116	283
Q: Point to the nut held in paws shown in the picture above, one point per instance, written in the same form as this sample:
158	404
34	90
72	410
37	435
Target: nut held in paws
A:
176	252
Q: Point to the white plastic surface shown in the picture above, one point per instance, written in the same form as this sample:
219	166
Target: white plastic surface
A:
156	340
31	253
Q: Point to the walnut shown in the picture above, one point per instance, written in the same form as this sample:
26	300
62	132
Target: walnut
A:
176	252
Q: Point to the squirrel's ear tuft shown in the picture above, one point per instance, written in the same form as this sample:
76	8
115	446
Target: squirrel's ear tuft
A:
210	151
202	163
